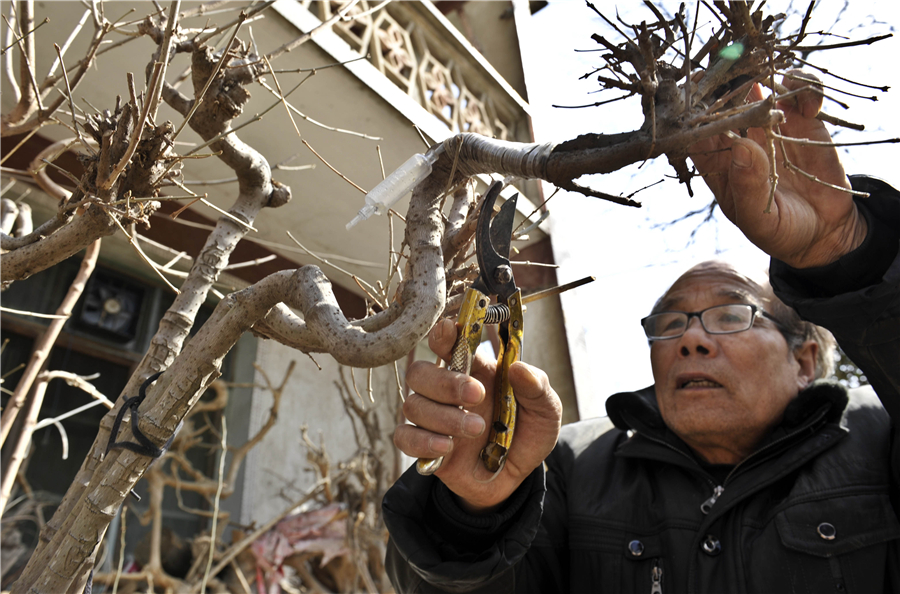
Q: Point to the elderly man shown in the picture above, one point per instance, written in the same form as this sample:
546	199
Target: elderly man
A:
740	469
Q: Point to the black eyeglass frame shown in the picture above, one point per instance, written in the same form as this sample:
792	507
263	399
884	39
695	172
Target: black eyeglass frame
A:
754	309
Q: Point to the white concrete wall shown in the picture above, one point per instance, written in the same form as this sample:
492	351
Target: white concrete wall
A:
277	471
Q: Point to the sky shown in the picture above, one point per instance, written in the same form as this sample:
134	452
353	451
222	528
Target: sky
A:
632	252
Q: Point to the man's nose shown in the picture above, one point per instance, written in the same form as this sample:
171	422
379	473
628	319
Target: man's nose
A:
696	339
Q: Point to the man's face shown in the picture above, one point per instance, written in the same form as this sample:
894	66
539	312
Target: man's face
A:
723	393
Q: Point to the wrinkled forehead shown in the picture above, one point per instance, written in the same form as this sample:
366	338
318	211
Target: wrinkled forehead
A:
718	279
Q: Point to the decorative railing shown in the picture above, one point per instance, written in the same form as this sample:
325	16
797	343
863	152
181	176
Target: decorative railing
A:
413	49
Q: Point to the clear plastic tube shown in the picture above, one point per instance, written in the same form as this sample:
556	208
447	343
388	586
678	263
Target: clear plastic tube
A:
395	186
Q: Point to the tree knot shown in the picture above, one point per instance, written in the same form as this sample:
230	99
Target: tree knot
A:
281	195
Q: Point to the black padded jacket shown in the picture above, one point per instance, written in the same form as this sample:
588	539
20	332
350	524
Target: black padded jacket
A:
622	504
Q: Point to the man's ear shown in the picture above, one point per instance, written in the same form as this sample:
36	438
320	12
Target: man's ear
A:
805	355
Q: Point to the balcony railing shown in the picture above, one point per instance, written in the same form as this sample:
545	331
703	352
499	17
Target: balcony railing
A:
414	47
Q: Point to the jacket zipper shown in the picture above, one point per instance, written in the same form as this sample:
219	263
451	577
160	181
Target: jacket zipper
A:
656	575
717	490
706	506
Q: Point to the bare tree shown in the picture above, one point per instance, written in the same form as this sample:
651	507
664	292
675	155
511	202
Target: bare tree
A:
130	158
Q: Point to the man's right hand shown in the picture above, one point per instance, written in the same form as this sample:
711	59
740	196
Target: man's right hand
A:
434	410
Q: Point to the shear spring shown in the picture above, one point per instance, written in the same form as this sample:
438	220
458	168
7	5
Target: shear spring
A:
497	313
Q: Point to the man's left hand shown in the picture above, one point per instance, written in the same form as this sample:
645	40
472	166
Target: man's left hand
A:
810	223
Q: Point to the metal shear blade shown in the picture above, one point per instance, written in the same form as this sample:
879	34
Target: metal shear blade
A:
492	243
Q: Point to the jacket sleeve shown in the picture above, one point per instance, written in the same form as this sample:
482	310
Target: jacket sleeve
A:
435	546
857	297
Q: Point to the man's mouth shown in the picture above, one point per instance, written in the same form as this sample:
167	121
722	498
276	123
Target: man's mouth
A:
699	383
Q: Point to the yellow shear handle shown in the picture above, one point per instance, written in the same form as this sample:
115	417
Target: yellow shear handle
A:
469	323
500	439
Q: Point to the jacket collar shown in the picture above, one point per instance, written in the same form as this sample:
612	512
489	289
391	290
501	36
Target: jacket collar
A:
824	401
639	411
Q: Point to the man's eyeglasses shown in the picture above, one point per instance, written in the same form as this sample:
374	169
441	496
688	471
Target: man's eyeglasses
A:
719	319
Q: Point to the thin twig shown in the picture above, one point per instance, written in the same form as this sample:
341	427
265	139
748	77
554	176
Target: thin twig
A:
180	158
151	199
396	269
808	142
132	94
324	261
687	63
18	146
211	182
24	35
141	253
250	263
256	118
123	514
116	24
327	164
380	161
596	104
815	179
154	93
540	206
819	83
836	121
372	10
399	383
529	263
212	77
318	123
422	136
155	82
770	138
45	422
71	102
215	518
453	166
883	89
359	283
71	38
11	183
33	314
30	69
202	198
281	246
355	389
812	48
227	214
71	177
14	89
281	96
523	234
324	26
315	68
175	214
294	167
245	17
64	437
241	578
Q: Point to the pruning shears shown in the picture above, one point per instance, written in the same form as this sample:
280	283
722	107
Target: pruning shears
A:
492	244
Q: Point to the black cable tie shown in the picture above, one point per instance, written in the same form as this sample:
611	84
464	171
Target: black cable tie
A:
145	447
